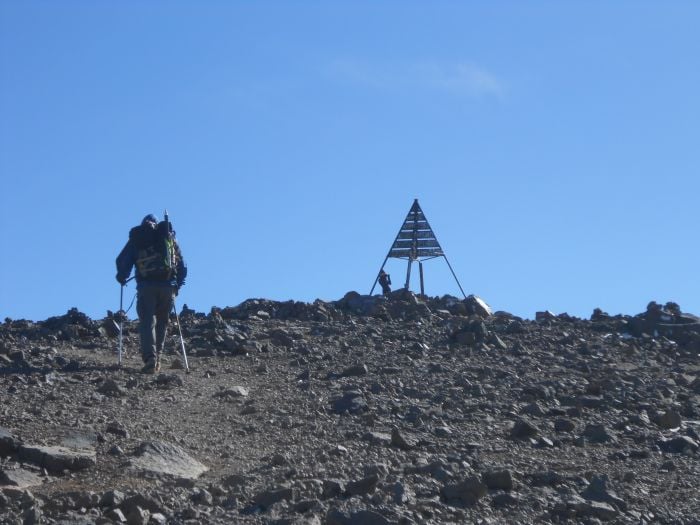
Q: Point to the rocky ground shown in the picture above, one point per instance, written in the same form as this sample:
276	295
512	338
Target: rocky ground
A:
359	411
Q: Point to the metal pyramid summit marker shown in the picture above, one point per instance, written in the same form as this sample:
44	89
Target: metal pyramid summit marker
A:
416	238
416	241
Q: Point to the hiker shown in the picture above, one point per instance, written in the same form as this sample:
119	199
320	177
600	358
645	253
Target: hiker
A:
160	272
385	282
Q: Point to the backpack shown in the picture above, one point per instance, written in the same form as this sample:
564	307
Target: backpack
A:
156	257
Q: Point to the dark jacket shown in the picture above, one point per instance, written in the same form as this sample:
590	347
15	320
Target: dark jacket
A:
384	279
127	259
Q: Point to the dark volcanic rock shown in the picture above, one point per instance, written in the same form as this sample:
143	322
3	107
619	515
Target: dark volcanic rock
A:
468	491
597	433
402	440
669	419
523	429
679	444
401	409
355	371
112	498
361	517
351	402
597	490
111	388
136	502
498	479
268	498
362	486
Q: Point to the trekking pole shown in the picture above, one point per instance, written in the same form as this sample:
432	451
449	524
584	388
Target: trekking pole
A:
182	341
166	219
122	314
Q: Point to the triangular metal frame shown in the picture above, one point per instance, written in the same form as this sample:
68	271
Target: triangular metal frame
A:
416	241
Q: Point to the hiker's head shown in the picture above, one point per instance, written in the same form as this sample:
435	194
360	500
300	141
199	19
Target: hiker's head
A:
150	220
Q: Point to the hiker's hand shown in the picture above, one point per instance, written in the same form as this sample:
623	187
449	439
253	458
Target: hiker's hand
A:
121	280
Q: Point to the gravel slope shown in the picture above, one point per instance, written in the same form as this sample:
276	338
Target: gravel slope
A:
363	410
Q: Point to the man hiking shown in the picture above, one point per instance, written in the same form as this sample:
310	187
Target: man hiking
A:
160	272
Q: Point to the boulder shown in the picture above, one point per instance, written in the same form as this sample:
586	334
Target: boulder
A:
477	306
19	478
524	429
598	490
468	491
498	479
351	402
165	458
111	388
267	498
58	459
598	433
669	419
402	440
8	442
362	486
678	444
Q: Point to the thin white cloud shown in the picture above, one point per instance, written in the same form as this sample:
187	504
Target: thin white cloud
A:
461	79
465	79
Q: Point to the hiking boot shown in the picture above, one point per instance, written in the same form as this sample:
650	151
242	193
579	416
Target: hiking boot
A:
150	366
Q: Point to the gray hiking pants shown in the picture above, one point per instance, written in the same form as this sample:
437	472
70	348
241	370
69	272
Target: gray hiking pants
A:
153	306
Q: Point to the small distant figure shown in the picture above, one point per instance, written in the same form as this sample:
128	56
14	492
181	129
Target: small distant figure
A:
385	282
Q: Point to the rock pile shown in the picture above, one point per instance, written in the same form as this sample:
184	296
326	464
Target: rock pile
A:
386	410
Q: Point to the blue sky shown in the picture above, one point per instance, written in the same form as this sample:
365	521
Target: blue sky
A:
553	146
